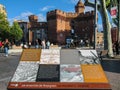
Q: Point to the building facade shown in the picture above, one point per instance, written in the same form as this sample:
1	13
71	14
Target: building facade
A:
61	23
33	29
100	38
24	27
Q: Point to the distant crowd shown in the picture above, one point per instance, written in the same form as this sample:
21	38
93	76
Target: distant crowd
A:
37	44
4	46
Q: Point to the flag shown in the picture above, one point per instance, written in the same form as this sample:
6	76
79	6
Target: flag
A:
113	12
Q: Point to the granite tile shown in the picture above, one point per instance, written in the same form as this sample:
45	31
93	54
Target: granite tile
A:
48	73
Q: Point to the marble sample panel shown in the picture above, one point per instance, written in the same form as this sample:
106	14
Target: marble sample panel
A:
48	73
31	55
26	72
50	56
71	73
93	73
88	57
69	56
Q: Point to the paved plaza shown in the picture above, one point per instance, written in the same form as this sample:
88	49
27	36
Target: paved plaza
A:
9	64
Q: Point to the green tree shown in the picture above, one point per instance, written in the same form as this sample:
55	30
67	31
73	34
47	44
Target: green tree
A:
116	20
102	8
4	27
16	32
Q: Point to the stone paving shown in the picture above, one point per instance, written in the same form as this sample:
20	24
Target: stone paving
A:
9	64
112	70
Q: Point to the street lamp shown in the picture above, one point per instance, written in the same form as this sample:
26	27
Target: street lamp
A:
118	20
95	25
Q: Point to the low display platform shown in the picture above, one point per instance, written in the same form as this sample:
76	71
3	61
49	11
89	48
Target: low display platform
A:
54	69
57	85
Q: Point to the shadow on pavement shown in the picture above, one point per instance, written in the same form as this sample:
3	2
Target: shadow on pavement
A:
111	65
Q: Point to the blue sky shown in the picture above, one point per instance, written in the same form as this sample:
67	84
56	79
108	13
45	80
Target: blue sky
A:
21	9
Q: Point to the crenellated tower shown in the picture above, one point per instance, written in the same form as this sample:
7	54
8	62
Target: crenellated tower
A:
61	23
79	8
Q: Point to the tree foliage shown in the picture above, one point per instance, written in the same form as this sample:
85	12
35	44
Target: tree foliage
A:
15	31
4	27
107	3
12	33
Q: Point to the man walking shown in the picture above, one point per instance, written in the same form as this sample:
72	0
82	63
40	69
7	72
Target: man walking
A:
6	47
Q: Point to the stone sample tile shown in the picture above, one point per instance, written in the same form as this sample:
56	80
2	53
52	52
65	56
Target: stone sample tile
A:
93	74
26	72
69	56
50	56
88	57
48	73
31	55
71	73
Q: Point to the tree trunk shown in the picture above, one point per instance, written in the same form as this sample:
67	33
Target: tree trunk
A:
107	29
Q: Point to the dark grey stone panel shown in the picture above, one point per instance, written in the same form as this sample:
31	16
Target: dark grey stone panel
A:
49	73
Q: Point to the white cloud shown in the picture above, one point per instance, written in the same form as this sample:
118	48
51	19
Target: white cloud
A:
22	16
41	17
46	8
26	14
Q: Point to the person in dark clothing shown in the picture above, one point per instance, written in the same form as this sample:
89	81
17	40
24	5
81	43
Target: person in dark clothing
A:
6	47
117	47
36	43
0	44
29	45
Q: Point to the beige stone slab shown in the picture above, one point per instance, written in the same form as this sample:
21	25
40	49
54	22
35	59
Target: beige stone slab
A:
31	55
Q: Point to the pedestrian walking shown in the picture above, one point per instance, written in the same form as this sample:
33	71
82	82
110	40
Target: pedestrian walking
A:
6	47
36	44
29	45
48	44
0	44
43	44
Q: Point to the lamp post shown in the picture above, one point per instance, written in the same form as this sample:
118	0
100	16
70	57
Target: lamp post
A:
95	25
118	20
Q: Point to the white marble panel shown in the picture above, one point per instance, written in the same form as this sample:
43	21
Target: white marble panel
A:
88	57
50	56
26	72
